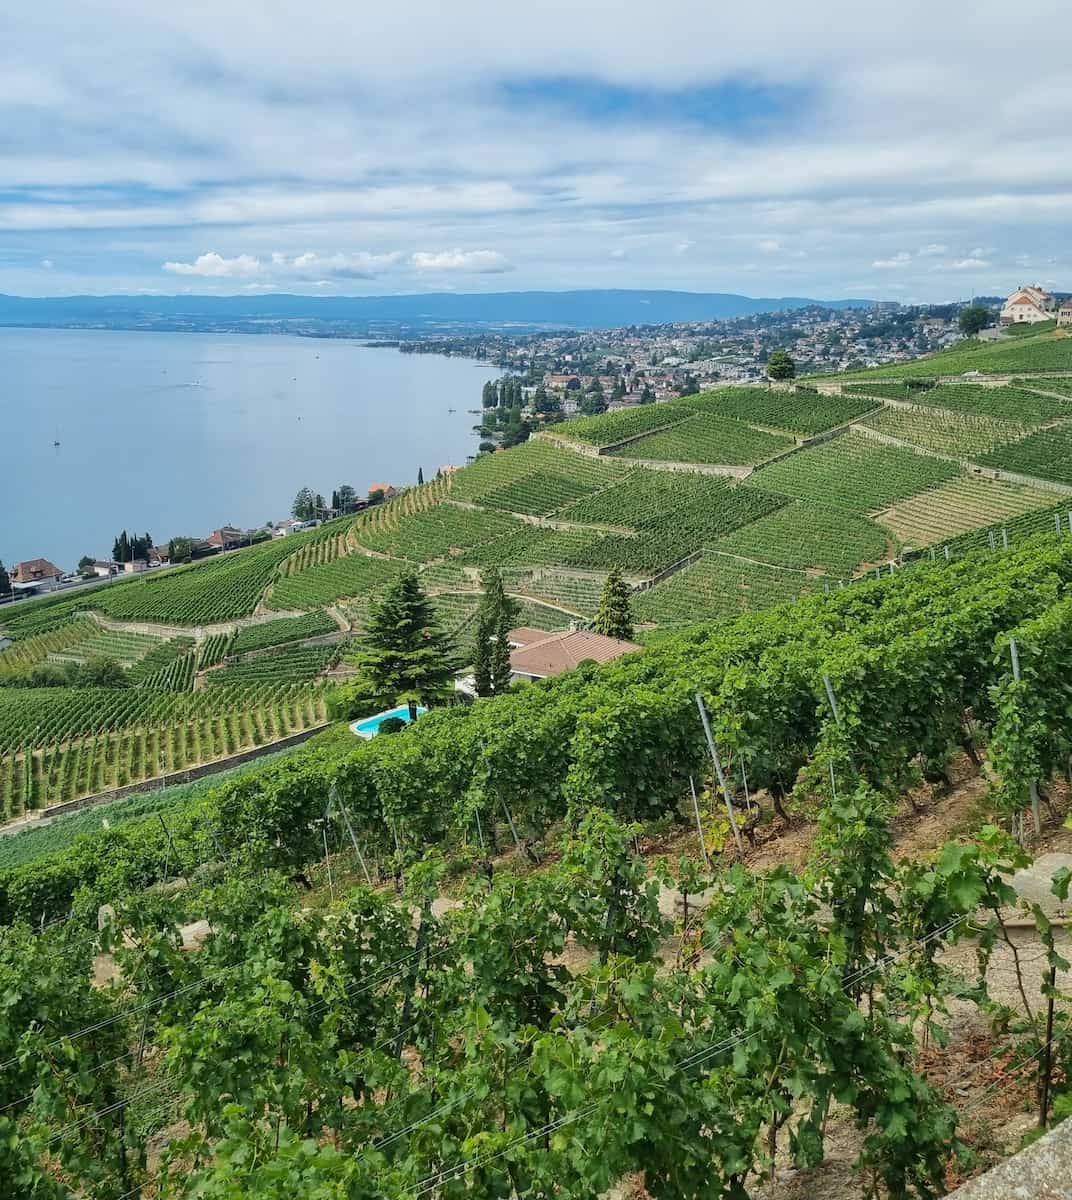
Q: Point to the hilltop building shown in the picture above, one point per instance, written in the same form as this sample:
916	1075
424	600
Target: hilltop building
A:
1064	314
227	538
35	575
1029	304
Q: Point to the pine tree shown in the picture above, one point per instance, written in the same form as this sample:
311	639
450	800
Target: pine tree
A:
5	581
420	476
495	618
615	617
405	654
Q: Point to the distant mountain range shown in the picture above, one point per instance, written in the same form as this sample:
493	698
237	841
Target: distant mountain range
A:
424	313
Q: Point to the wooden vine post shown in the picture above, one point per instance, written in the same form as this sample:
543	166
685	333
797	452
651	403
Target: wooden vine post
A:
1036	811
1046	1066
719	772
336	799
699	824
837	721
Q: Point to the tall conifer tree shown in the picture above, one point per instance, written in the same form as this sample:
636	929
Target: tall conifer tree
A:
406	654
615	616
495	619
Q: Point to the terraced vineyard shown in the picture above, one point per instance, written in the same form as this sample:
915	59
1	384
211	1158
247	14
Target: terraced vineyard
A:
288	664
1055	519
539	616
1063	387
438	532
42	716
448	577
177	676
673	515
576	591
217	590
160	659
717	587
853	472
799	412
214	650
960	504
643	499
794	526
961	434
32	779
707	438
345	577
276	633
1046	454
516	480
908	390
1006	403
126	648
455	610
35	649
612	427
808	535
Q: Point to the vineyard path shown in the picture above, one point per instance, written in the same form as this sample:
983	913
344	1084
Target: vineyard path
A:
997	473
198	632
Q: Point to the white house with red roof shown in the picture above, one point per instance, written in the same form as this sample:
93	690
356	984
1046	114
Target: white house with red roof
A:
1029	305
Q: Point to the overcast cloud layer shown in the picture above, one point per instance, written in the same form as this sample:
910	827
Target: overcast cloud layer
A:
908	151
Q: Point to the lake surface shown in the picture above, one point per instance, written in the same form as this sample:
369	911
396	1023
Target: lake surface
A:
180	433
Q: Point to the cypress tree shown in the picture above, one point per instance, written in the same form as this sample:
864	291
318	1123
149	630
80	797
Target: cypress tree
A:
420	476
495	619
5	580
406	654
615	616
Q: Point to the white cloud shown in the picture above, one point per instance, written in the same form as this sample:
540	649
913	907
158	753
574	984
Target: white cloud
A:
221	132
477	262
47	263
215	266
971	264
898	262
344	266
619	253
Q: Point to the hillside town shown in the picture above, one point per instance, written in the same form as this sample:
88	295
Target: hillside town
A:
555	377
658	361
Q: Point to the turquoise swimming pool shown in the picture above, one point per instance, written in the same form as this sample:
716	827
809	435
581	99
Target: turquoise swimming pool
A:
370	726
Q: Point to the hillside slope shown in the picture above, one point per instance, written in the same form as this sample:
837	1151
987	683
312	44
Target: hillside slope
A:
711	505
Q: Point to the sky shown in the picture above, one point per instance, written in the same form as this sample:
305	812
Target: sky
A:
911	151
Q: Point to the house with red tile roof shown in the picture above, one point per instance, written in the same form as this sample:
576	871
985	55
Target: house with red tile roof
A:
1029	304
537	654
36	574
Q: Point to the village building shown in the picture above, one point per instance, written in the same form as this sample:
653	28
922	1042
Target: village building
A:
537	654
227	537
104	570
36	575
290	525
1029	304
1064	314
388	489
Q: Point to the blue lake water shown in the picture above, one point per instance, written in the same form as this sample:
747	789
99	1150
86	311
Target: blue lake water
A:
180	433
